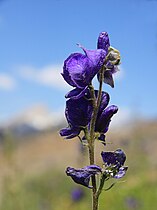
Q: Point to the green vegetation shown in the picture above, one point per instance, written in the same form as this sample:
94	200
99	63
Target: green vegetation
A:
50	189
53	191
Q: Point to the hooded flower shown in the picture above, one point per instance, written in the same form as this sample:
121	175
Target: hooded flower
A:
104	114
82	175
114	162
113	58
103	41
79	69
78	114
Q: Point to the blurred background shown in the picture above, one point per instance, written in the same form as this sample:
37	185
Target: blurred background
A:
35	38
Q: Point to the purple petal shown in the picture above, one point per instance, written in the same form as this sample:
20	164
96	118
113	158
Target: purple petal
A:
76	66
108	78
82	175
96	59
79	69
70	132
116	158
79	176
76	93
102	122
94	169
121	172
105	98
103	41
120	156
108	158
66	74
78	112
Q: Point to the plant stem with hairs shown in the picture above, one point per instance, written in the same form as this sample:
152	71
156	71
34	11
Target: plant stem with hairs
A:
91	139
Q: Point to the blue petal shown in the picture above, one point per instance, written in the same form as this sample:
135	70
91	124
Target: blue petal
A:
78	112
121	172
102	122
116	158
105	98
121	157
108	78
79	69
93	169
70	132
109	158
103	41
82	175
76	93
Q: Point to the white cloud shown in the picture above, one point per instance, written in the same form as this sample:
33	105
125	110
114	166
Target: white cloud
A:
123	117
7	82
48	75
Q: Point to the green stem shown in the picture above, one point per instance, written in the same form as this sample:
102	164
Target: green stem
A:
102	181
91	135
91	145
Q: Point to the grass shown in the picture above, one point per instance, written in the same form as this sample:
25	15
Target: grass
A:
52	191
32	174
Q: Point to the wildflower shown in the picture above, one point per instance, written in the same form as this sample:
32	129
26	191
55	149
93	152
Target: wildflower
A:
114	162
82	175
79	69
112	59
104	114
103	41
78	114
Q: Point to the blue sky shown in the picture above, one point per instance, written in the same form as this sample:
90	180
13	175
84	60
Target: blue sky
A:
37	36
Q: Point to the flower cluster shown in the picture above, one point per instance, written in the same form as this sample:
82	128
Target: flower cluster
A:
87	109
114	168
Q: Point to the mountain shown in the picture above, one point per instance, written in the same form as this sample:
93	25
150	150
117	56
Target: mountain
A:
33	120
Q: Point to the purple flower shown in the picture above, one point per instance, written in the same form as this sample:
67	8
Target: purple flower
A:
103	41
104	114
79	69
112	61
77	194
78	114
114	162
82	175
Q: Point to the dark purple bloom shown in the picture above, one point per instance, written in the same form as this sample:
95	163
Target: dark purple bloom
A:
82	175
112	60
103	41
116	158
79	69
104	114
77	194
114	162
78	114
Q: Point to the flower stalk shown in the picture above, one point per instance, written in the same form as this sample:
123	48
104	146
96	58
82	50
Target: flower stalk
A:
91	142
87	110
